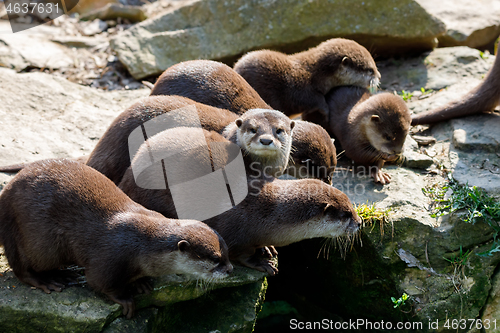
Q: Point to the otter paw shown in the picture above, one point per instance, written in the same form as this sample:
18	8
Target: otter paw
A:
126	302
47	284
268	252
261	264
142	286
381	177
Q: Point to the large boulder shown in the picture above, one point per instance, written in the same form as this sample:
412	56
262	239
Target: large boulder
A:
222	30
470	24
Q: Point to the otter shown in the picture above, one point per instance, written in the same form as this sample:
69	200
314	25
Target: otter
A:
209	82
265	137
60	212
216	84
298	83
111	155
483	98
275	212
371	128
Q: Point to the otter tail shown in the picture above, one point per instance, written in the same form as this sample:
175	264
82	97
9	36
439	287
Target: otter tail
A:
483	98
13	168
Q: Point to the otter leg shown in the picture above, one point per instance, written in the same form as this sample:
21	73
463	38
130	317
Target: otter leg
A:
114	281
378	175
24	271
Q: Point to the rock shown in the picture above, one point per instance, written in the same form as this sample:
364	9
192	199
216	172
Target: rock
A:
80	41
84	7
424	140
413	158
18	51
475	25
218	30
94	27
113	11
491	311
69	118
79	309
449	72
474	153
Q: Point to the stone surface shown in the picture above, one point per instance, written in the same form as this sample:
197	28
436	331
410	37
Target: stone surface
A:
474	24
213	29
18	51
79	309
42	116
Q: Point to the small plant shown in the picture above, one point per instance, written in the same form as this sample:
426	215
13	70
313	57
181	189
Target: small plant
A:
400	301
476	203
406	95
460	259
483	55
426	91
371	215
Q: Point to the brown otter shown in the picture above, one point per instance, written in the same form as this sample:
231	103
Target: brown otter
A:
298	83
111	155
483	98
265	137
209	82
216	84
275	212
371	128
59	212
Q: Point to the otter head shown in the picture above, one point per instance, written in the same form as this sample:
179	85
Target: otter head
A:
386	125
201	252
351	64
266	136
313	152
341	213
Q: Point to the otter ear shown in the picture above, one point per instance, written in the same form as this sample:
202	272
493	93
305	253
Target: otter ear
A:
183	245
333	141
239	122
375	118
292	125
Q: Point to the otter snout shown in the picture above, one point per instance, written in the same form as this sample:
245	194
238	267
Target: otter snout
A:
266	142
222	270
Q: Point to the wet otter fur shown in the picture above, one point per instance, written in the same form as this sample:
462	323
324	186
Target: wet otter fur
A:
61	212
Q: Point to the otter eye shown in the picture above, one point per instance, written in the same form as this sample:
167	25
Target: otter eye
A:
252	130
216	260
388	138
371	71
279	131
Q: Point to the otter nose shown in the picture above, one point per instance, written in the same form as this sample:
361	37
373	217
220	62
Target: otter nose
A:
266	142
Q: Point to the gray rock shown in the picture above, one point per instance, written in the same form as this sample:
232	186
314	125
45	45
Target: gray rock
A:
213	29
19	51
42	116
468	24
79	309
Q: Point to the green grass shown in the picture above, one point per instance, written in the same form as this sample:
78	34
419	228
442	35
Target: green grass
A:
476	203
426	91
